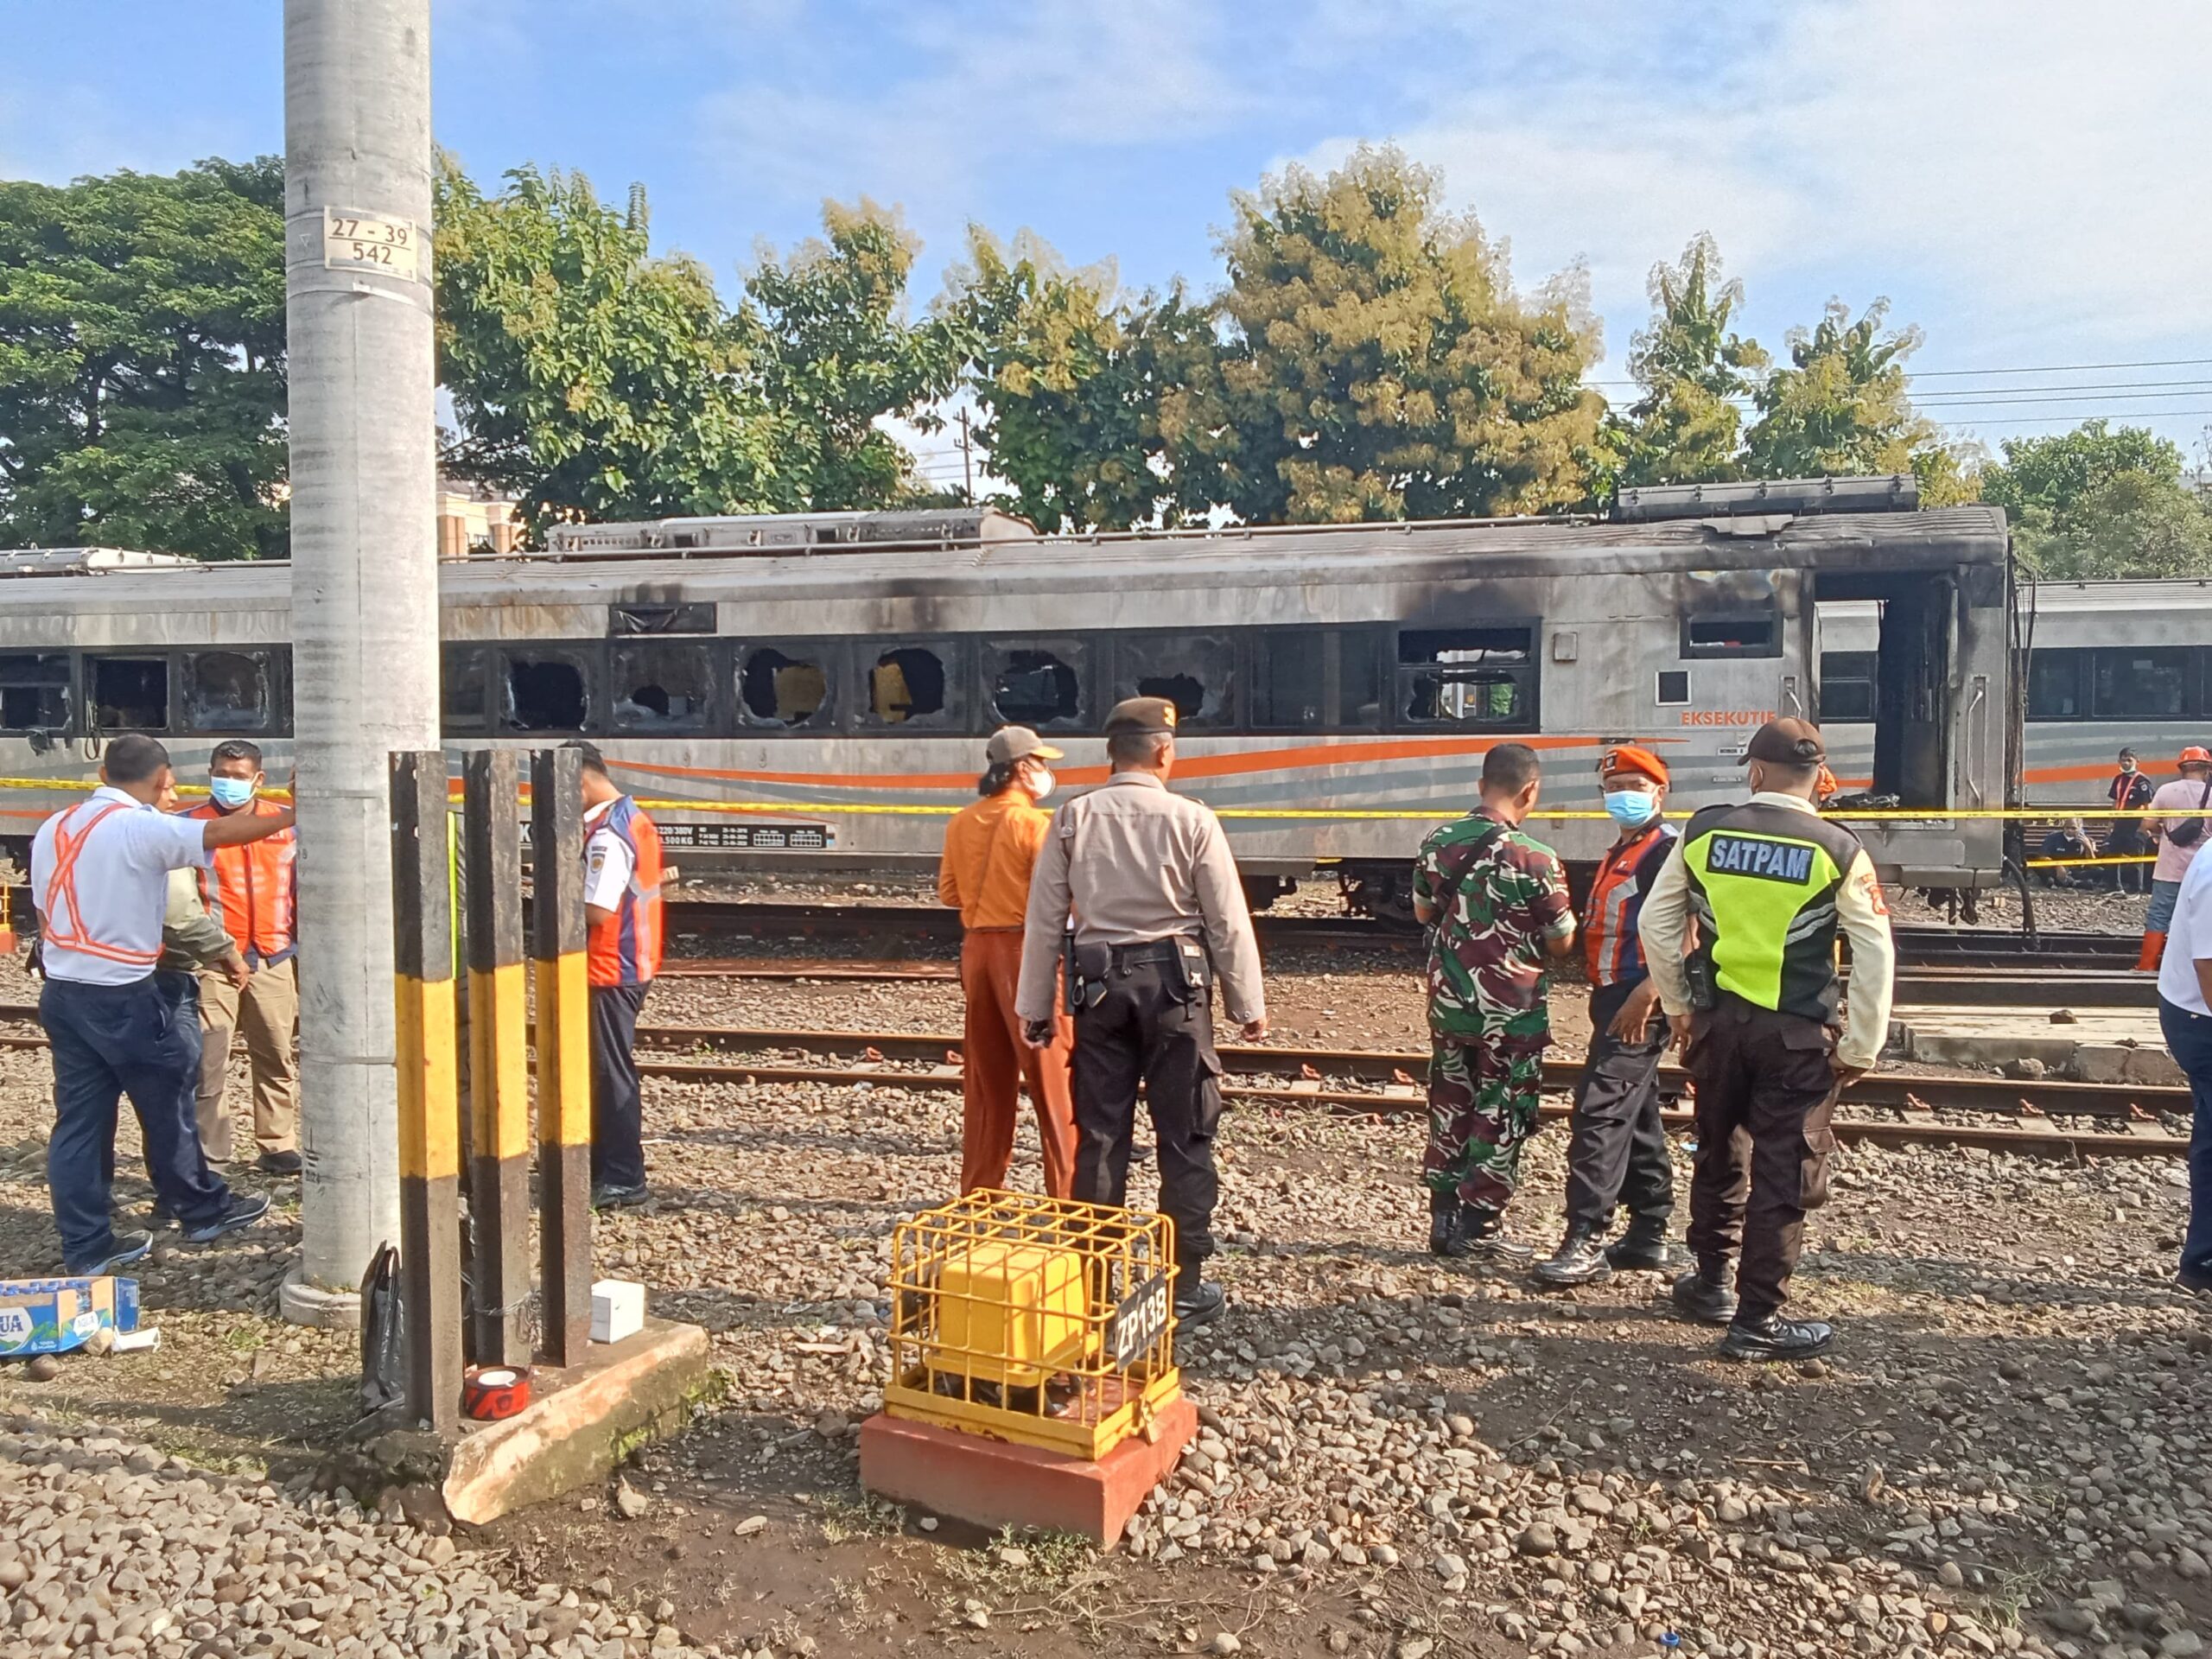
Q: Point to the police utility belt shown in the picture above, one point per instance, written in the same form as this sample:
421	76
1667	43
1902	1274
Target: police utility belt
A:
1090	968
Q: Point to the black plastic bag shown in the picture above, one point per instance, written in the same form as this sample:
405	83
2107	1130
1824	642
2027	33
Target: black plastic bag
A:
383	1333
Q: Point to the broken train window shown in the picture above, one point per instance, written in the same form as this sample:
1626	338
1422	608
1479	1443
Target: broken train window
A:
777	688
129	694
34	691
1467	677
545	690
1195	671
1039	685
663	687
229	692
912	685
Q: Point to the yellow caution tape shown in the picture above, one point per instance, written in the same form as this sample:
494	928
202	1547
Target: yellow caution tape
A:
2070	863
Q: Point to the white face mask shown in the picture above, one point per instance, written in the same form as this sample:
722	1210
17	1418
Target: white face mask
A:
1040	783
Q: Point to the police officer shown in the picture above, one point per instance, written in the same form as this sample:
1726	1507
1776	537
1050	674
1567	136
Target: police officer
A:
1159	914
1768	883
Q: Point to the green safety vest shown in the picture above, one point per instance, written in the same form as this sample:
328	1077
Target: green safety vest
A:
1762	883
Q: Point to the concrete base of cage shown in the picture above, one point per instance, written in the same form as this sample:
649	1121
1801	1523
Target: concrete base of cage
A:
991	1483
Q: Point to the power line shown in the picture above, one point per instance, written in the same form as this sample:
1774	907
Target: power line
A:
2038	420
2044	368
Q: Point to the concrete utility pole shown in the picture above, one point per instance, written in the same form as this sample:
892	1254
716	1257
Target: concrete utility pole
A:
364	586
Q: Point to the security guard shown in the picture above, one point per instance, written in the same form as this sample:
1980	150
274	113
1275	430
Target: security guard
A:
1158	912
1769	882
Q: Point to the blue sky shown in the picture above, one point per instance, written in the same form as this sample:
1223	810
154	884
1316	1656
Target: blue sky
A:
2023	180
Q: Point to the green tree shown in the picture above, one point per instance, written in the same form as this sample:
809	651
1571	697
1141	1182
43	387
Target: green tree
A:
142	362
835	354
1839	405
1078	390
2097	502
1379	365
591	378
1685	425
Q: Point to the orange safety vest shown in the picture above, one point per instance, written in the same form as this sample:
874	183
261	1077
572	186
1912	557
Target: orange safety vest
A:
624	949
1613	949
59	912
255	889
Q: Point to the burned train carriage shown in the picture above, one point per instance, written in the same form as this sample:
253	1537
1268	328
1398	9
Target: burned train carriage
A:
819	687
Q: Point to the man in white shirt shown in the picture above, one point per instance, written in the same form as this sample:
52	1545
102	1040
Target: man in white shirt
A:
99	879
2181	831
2185	1014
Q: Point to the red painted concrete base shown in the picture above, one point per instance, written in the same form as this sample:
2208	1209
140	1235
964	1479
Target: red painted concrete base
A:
990	1483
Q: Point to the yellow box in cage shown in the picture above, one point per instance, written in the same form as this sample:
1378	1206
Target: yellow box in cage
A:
1039	1320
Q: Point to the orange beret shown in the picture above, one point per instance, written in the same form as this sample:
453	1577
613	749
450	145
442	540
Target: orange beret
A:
1629	757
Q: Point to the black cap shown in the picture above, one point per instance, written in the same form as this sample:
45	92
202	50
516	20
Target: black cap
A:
1141	717
1786	743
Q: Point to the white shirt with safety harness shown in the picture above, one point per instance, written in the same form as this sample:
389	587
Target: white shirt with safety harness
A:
99	879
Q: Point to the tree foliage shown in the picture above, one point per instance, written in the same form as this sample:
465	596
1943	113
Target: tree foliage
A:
835	353
1685	425
591	378
1377	363
2096	502
1840	405
142	360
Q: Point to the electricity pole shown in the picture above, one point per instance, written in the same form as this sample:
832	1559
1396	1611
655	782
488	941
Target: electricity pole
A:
364	587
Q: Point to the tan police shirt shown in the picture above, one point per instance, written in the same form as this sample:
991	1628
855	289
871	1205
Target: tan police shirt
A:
1137	863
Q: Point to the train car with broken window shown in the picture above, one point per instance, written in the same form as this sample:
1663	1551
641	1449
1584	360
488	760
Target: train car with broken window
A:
814	691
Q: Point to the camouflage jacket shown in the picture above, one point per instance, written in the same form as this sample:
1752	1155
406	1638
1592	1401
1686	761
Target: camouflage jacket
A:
1498	895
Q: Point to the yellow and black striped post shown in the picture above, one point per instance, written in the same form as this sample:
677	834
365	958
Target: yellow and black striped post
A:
429	1153
498	1068
556	866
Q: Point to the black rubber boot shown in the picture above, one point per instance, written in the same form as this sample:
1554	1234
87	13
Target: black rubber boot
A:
1200	1302
1704	1294
1644	1247
1446	1236
1484	1232
1771	1337
1581	1258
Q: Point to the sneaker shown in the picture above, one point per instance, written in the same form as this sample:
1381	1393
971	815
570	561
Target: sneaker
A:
1200	1305
1774	1337
1704	1296
278	1163
606	1195
161	1220
1581	1258
2191	1279
243	1211
129	1248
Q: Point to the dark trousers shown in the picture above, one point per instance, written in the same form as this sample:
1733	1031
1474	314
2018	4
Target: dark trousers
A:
1618	1151
1764	1093
140	1039
2128	838
1149	1029
618	1152
2189	1036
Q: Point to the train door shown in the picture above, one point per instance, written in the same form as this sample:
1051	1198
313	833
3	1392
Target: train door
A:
1906	691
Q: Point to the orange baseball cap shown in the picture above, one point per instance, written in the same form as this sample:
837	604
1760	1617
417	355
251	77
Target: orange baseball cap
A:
1630	757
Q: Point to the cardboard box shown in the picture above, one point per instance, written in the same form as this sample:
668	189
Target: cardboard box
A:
53	1316
618	1310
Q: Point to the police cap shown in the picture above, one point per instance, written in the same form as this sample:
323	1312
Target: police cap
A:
1141	717
1786	743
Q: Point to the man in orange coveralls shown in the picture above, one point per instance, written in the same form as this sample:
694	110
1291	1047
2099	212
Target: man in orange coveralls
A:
990	848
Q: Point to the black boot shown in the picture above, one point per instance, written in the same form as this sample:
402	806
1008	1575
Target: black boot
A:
1769	1336
1197	1301
1644	1247
1484	1232
1704	1293
1446	1236
1581	1258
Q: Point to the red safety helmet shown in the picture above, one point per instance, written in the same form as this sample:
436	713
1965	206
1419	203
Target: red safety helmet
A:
2195	756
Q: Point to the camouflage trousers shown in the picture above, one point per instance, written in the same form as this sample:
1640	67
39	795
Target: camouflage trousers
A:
1482	1095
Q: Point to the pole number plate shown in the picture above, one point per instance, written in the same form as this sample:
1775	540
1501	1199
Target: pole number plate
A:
365	242
1139	1321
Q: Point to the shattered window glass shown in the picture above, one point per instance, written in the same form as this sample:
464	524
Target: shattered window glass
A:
1315	679
34	691
227	691
1467	677
129	694
909	684
546	693
1038	686
663	688
462	680
1194	671
783	690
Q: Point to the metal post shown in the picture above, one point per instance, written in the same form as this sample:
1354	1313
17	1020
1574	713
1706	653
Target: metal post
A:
427	1065
364	588
557	868
498	1068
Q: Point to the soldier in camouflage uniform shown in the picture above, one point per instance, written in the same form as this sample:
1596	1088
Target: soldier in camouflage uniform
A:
1495	899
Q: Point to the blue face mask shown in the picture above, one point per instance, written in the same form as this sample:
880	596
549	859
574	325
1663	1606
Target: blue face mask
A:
1631	809
231	793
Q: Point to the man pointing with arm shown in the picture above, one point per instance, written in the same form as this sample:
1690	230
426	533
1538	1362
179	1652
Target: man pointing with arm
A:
1770	884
